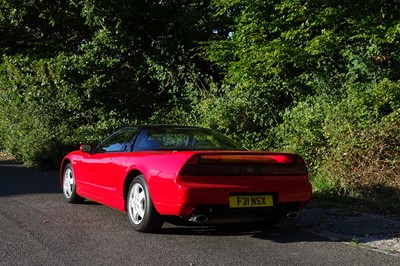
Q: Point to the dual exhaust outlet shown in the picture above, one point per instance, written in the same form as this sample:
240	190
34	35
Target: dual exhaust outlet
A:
201	218
198	218
292	215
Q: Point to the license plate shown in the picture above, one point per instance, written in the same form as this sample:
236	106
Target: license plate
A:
251	201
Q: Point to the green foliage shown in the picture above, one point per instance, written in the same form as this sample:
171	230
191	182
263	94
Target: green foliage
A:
41	28
42	113
302	129
71	72
363	132
352	145
281	52
315	77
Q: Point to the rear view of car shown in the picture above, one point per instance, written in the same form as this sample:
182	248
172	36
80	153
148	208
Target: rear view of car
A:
235	187
183	174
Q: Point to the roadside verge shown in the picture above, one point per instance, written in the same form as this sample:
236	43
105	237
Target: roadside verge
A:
375	231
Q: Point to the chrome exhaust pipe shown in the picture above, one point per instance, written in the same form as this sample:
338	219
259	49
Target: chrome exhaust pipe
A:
292	215
198	218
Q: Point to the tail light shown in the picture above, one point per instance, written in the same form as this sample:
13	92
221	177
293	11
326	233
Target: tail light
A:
253	164
248	159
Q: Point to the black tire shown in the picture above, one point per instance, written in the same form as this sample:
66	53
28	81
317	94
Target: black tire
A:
69	186
142	214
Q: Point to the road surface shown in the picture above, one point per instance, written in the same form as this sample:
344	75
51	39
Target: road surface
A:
38	228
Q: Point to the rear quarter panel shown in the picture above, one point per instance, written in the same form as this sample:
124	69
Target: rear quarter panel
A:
158	168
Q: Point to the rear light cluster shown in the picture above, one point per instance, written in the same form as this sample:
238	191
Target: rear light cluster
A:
236	165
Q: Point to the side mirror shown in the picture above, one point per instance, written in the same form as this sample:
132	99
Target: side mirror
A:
85	148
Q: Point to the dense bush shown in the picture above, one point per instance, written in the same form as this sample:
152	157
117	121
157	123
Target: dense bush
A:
72	73
43	113
363	133
352	144
315	77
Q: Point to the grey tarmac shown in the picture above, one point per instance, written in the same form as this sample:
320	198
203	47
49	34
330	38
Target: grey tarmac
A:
38	228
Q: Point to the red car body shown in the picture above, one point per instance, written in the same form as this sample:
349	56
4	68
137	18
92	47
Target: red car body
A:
197	185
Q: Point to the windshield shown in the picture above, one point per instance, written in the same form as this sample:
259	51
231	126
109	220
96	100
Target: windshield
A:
183	138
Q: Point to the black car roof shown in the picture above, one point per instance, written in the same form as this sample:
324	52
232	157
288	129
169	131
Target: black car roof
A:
147	126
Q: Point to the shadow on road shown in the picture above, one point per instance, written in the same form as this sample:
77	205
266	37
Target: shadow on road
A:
282	232
17	179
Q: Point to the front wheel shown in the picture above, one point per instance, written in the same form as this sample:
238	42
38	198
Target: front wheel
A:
141	212
69	186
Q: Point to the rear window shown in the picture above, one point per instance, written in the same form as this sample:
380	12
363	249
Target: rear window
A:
183	139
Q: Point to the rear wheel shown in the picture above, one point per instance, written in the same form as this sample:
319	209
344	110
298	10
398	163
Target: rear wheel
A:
69	186
141	212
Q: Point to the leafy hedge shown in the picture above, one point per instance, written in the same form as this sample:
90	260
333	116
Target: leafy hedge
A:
353	143
315	77
43	114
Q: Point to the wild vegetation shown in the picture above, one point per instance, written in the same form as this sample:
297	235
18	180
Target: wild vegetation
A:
316	77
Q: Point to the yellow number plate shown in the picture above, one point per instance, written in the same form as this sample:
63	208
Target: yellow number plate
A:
251	201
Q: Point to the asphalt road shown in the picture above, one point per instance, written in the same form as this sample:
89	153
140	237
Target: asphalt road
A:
38	228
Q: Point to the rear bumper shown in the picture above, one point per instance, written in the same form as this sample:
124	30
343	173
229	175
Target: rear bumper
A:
210	196
221	214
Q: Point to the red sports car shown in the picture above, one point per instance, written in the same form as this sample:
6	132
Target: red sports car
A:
160	173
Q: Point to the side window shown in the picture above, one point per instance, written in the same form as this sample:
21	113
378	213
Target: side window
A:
145	141
119	142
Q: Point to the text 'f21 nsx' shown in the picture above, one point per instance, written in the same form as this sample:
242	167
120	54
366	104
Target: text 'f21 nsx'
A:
187	175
